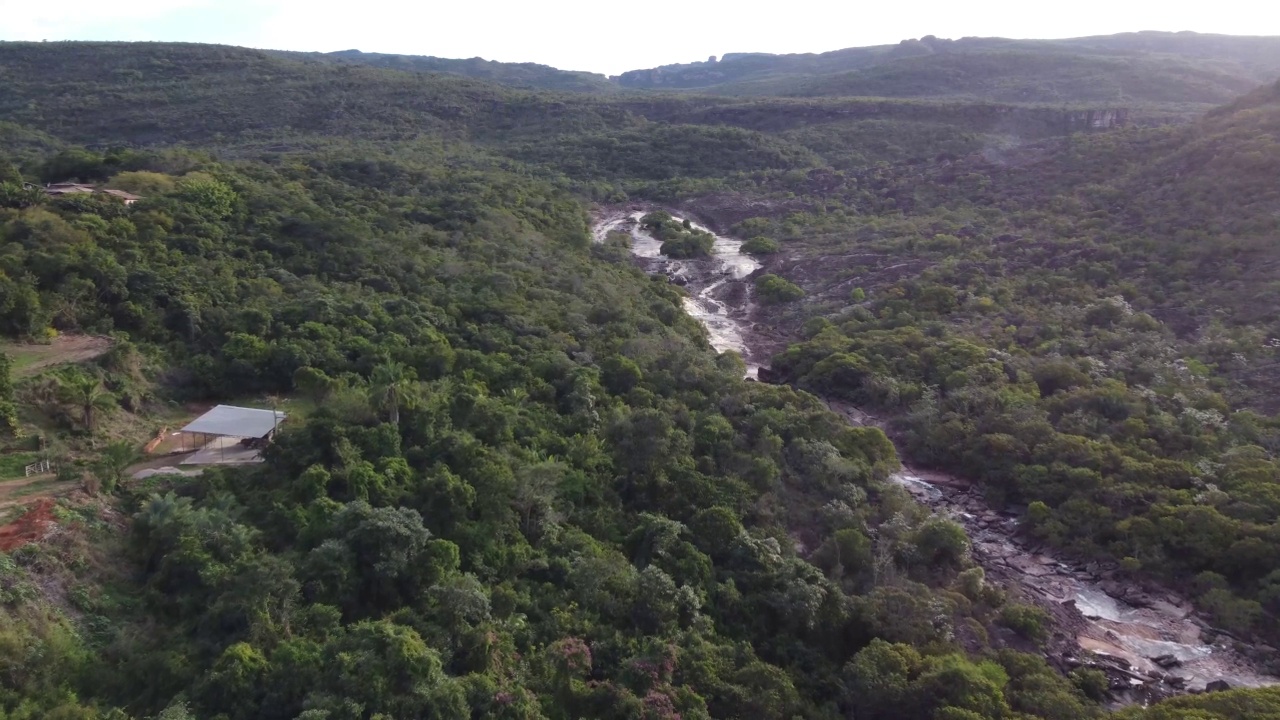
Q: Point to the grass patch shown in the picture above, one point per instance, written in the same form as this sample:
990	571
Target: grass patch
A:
14	465
25	356
48	486
28	359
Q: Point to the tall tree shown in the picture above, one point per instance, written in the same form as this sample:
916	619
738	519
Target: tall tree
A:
392	387
90	397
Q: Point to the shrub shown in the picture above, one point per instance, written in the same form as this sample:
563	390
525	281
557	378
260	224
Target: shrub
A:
1028	621
761	246
774	290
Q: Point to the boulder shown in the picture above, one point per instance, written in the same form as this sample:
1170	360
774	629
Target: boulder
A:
1217	686
1166	661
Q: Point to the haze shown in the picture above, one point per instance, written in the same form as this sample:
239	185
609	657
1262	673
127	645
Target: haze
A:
607	37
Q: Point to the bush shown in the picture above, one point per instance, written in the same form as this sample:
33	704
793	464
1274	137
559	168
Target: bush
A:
693	243
774	290
1028	621
1093	683
761	246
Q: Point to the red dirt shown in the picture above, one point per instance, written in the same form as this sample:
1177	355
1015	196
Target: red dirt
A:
34	524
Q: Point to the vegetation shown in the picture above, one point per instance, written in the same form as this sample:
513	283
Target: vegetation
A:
528	487
761	245
773	289
1025	75
520	75
531	488
8	411
679	238
1015	331
1150	67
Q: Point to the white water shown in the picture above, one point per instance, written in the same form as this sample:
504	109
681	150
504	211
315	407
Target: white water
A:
1113	627
705	277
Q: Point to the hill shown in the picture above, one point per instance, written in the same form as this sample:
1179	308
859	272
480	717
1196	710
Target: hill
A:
520	75
1079	308
517	482
165	93
246	101
1039	77
1133	67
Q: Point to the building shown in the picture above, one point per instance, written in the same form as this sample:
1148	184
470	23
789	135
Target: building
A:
69	188
228	435
127	197
60	189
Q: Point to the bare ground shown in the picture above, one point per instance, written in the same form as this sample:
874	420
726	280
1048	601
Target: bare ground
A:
30	359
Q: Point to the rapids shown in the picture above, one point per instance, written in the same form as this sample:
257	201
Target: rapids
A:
1119	629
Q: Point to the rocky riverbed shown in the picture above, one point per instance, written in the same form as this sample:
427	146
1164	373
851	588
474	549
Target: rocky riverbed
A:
1149	639
718	291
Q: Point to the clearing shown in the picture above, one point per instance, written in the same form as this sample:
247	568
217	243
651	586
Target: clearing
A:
31	526
17	495
29	359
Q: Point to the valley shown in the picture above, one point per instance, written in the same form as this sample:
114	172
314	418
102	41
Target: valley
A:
1149	639
927	381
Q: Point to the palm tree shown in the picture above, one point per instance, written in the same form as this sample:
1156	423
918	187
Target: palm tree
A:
87	393
116	457
391	387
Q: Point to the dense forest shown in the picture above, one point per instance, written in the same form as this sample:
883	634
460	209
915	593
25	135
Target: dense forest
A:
516	480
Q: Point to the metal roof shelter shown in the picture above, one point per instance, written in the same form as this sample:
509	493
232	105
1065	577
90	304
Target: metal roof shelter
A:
240	422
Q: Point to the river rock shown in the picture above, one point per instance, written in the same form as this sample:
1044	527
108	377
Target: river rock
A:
1112	588
1217	686
1138	599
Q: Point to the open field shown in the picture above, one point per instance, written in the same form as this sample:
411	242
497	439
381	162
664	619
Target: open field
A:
30	358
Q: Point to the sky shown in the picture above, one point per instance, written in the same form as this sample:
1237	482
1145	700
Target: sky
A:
610	37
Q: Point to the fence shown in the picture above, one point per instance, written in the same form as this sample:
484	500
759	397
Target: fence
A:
39	468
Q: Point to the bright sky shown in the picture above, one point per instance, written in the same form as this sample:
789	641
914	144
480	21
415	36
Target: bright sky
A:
609	36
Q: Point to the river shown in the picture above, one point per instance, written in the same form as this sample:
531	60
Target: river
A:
1151	641
709	281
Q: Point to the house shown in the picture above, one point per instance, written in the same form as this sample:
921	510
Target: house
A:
59	189
70	188
127	197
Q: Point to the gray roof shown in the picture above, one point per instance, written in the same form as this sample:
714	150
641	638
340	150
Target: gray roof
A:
235	421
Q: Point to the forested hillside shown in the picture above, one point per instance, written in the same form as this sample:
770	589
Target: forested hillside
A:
1082	325
1132	68
521	75
517	482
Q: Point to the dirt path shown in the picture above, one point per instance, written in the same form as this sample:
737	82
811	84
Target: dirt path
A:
13	488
